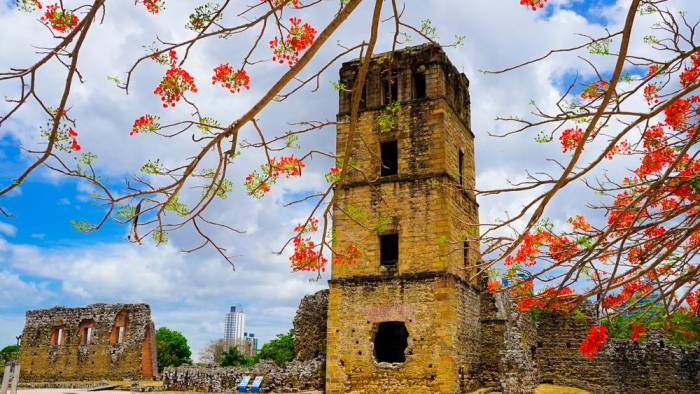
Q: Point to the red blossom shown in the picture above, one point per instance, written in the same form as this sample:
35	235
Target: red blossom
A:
60	20
154	6
144	123
493	285
230	79
595	339
637	331
533	4
570	138
349	256
176	82
298	39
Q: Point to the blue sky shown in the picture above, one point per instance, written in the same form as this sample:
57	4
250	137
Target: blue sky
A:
45	262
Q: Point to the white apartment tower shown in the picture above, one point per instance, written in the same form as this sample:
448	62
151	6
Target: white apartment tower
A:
234	325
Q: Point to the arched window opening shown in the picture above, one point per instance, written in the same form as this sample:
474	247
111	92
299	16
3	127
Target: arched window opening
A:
390	342
86	329
120	329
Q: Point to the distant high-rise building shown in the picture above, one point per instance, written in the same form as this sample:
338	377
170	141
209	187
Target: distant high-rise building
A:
234	324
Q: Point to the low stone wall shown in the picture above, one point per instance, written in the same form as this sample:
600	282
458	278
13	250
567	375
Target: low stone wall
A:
295	376
310	326
621	366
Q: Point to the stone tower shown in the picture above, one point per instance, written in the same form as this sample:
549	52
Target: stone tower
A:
405	317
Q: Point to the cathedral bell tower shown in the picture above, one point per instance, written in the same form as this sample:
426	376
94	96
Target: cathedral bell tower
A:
405	316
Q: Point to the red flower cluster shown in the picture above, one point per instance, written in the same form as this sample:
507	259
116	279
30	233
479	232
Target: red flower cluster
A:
628	290
637	331
595	339
74	136
690	73
651	94
561	248
154	6
693	300
570	138
579	222
298	39
231	80
349	256
677	114
305	257
175	83
533	4
550	299
289	166
145	123
60	20
258	184
594	90
493	285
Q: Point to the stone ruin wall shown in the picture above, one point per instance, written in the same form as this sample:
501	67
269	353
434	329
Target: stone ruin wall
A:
621	366
306	372
515	355
43	359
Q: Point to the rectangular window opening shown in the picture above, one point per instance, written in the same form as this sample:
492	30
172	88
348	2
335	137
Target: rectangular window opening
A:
461	167
390	90
389	249
389	158
120	335
419	85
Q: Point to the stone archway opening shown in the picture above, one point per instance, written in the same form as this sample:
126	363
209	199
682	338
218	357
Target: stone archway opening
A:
390	342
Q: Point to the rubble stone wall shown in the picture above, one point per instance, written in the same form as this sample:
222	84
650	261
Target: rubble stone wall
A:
294	376
310	326
621	366
45	357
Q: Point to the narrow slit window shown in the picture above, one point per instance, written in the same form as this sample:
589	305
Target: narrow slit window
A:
465	250
419	85
389	249
390	342
461	167
363	99
390	158
120	336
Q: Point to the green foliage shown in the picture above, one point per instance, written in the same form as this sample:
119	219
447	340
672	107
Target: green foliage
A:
202	16
233	358
126	212
172	348
680	328
160	236
175	205
152	167
389	119
81	225
206	124
280	350
600	47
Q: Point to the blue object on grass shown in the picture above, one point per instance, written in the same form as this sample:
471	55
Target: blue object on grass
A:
243	385
255	388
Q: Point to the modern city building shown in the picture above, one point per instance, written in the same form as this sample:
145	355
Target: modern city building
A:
234	324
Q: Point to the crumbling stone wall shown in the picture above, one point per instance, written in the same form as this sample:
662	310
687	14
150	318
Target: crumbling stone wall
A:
508	339
294	376
48	354
310	327
621	366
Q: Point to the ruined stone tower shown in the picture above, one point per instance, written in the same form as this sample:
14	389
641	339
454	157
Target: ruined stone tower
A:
405	316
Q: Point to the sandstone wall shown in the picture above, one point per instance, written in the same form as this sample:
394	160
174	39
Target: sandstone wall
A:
621	366
44	358
295	376
310	327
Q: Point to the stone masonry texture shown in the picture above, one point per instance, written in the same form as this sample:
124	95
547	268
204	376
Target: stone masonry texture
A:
429	203
310	327
46	355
